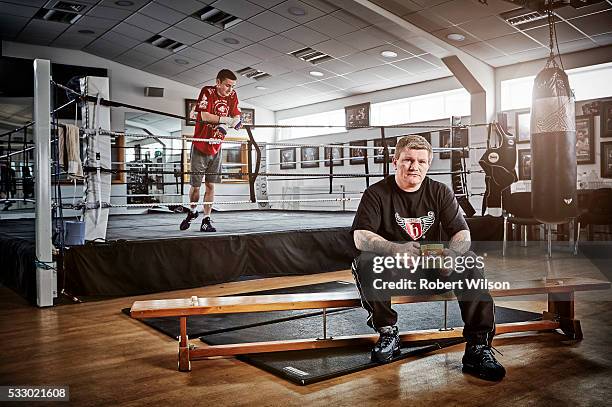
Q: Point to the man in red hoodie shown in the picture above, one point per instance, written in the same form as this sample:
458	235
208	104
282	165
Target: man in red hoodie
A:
217	109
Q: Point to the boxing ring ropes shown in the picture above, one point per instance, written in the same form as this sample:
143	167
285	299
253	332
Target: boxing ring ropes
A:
46	158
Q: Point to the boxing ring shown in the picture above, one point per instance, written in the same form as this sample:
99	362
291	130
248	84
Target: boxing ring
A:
144	253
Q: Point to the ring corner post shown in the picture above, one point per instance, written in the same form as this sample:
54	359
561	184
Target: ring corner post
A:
46	277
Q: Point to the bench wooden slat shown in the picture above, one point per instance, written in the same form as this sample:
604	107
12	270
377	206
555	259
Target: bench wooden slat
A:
258	303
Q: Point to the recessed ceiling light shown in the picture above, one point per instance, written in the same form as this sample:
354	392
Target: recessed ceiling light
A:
297	11
86	32
181	61
260	87
316	73
230	40
124	3
388	54
455	37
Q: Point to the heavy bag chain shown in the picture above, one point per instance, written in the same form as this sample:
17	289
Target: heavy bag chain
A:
552	40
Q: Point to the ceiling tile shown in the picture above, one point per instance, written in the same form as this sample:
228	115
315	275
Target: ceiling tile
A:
146	23
408	47
564	33
340	82
330	26
337	66
109	12
250	31
282	44
571	12
165	68
266	3
461	11
196	54
390	72
198	27
603	39
513	43
305	35
116	38
152	50
442	34
399	7
351	19
242	58
427	20
32	3
46	29
335	48
96	23
290	62
105	49
182	60
401	53
594	24
184	6
223	63
362	61
136	4
132	31
310	12
239	8
135	58
206	71
272	21
261	51
17	10
10	26
361	40
225	36
577	45
271	68
482	50
181	36
73	41
320	86
487	28
323	5
189	77
362	77
162	13
212	47
415	65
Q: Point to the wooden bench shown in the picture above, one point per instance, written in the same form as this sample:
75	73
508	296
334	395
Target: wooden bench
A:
560	315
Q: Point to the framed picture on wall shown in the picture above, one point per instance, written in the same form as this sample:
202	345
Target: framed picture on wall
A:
524	164
357	115
247	116
190	114
585	140
358	155
380	151
523	123
606	159
287	158
445	142
336	153
309	157
606	119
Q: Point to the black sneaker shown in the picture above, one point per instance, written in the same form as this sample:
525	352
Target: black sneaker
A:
207	225
388	345
479	361
187	221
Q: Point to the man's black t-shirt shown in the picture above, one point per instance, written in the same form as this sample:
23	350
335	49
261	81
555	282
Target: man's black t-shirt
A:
397	215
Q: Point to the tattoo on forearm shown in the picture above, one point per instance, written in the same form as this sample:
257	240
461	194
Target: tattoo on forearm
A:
367	241
460	242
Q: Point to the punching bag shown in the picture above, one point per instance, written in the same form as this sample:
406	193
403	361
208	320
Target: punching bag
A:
553	147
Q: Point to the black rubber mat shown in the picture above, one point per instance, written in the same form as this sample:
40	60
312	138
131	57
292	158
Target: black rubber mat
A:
311	366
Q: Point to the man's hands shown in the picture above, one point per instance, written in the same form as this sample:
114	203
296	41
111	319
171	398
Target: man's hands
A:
233	122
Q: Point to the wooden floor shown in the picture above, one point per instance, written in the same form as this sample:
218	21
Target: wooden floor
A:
109	359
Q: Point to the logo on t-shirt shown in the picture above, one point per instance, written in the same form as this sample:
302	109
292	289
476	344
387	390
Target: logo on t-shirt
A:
221	108
416	227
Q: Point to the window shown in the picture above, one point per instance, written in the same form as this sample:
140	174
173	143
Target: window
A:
422	108
333	118
591	82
